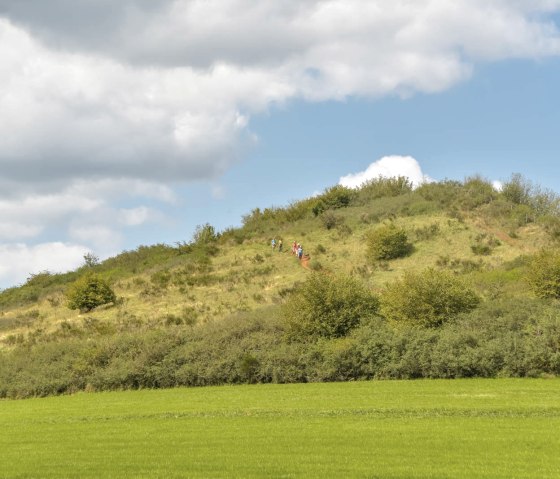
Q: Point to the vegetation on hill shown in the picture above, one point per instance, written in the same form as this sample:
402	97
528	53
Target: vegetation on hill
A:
451	279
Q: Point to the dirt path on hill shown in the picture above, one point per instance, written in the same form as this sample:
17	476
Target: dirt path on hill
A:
305	261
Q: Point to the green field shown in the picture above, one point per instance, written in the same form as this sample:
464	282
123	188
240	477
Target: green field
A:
396	429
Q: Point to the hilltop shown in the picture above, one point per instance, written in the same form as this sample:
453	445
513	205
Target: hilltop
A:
220	281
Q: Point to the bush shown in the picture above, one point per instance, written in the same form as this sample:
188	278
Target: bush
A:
544	274
387	242
428	299
331	220
328	306
204	234
89	292
333	198
517	190
384	187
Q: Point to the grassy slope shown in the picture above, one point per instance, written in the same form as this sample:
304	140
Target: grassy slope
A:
415	429
241	282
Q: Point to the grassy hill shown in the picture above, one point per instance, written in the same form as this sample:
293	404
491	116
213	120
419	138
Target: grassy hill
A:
226	288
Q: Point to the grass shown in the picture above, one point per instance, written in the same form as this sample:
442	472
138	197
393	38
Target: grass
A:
500	428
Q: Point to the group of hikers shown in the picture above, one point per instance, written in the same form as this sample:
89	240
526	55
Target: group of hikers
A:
297	248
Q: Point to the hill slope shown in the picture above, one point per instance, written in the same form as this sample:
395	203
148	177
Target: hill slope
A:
467	228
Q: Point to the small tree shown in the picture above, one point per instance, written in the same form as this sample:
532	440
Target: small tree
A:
544	274
91	260
89	292
427	299
387	242
204	234
328	306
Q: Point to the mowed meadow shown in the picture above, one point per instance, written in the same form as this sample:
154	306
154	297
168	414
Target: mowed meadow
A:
484	428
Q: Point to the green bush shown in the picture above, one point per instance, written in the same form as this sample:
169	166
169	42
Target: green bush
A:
428	299
204	234
384	187
543	274
331	220
517	190
387	242
328	306
476	191
89	292
333	198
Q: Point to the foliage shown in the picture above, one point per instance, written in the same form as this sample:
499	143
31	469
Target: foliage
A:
387	242
204	234
89	292
427	299
330	220
333	198
543	274
91	260
381	187
517	190
328	306
476	191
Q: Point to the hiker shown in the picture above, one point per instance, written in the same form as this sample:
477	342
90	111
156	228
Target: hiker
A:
300	252
280	244
273	243
294	248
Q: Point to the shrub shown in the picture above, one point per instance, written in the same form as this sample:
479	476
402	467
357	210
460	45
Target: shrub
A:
89	292
91	260
333	198
384	187
328	306
331	220
477	191
388	242
517	190
544	274
428	299
204	234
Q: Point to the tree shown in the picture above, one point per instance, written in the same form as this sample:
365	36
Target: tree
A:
91	260
427	299
89	292
328	306
387	242
543	274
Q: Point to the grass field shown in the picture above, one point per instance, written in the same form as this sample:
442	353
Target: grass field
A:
502	428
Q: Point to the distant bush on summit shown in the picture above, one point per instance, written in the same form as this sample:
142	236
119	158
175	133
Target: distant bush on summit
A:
333	198
89	292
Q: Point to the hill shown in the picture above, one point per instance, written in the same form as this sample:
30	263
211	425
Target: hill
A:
210	310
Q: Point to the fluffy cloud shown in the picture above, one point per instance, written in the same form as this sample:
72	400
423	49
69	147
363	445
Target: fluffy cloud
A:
18	261
388	167
86	96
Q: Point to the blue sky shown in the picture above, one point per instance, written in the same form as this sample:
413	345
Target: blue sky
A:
504	120
129	123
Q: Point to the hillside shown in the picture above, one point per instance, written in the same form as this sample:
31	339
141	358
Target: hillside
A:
483	236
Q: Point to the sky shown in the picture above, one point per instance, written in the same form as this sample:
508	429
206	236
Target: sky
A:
129	123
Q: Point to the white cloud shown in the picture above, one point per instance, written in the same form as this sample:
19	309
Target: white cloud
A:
388	167
136	216
498	185
173	102
18	261
105	241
